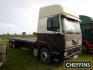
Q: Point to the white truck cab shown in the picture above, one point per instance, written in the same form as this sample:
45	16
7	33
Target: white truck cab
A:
54	13
59	28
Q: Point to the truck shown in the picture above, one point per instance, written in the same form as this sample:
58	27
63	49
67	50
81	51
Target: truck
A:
58	35
2	53
87	33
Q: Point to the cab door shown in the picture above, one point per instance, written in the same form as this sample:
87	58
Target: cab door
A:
54	36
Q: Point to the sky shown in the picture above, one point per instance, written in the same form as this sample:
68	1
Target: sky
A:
17	16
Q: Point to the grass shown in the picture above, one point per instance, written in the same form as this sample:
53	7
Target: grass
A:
22	59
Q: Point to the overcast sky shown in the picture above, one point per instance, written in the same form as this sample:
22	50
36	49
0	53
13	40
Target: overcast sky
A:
17	16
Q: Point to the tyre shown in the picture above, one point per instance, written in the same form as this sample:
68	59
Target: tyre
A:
11	44
45	56
35	52
1	63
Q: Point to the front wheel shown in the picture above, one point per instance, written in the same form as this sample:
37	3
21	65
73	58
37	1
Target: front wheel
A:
45	56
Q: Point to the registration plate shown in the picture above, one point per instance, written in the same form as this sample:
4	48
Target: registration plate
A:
75	56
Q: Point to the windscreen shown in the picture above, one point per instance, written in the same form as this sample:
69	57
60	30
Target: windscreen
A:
71	26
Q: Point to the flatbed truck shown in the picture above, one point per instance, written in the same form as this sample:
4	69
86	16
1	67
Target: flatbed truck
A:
58	35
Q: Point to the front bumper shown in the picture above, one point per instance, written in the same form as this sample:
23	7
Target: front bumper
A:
71	52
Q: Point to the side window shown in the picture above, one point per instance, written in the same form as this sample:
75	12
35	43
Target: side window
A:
53	23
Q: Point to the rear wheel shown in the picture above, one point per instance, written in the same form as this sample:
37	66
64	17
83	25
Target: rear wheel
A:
45	56
1	63
11	44
35	52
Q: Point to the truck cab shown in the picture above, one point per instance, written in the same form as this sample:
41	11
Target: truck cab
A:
87	33
59	31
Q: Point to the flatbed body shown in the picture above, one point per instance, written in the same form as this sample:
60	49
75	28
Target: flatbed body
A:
24	39
23	42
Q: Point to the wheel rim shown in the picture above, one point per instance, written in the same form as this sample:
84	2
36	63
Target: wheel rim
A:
44	56
13	46
35	52
1	63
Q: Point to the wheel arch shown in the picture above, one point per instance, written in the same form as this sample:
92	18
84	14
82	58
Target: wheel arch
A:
43	44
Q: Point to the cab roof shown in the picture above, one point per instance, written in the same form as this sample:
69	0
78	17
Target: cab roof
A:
57	9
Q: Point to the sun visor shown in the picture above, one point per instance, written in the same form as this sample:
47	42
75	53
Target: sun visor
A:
73	17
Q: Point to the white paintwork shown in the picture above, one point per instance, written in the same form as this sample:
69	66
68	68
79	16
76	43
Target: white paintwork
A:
49	11
57	9
42	25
